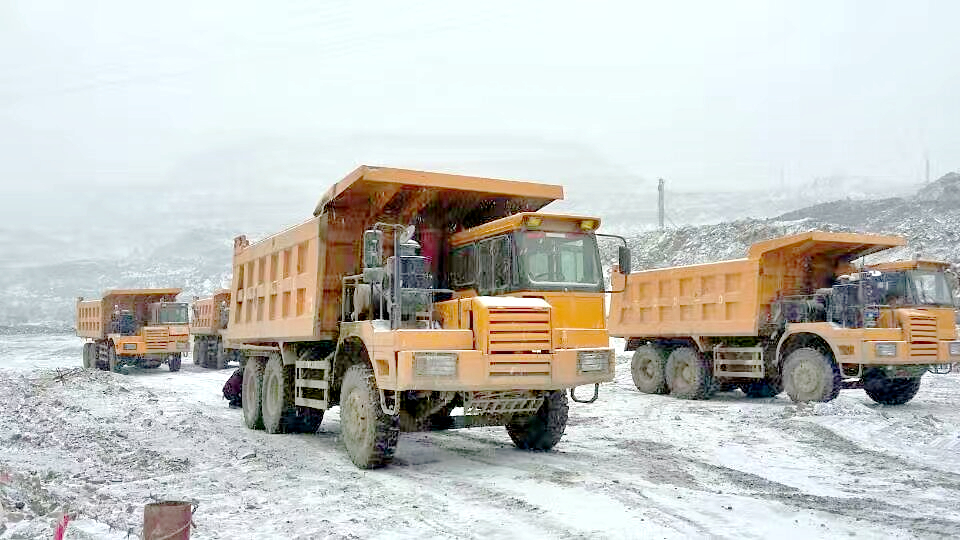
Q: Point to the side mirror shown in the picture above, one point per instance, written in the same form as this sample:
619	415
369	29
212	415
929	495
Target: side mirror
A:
372	249
623	259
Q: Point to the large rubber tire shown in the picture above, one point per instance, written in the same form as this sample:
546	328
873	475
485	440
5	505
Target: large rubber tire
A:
890	391
251	393
89	355
649	368
764	388
198	350
688	374
541	431
100	360
173	362
113	363
369	434
279	410
220	355
811	375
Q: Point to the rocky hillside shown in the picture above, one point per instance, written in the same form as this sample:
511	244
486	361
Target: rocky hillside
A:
929	219
38	292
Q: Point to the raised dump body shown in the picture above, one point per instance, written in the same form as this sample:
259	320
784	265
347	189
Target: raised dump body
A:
410	294
209	320
144	327
794	312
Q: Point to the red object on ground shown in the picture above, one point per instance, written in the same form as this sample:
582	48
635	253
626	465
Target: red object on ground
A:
61	528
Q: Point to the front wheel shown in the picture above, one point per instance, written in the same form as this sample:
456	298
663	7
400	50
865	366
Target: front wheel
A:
112	361
541	431
648	368
890	391
811	375
369	434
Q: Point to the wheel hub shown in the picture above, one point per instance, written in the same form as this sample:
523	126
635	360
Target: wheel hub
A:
353	417
647	369
686	373
806	377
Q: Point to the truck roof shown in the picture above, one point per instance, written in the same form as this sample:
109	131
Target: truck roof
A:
454	199
516	221
842	246
914	264
160	294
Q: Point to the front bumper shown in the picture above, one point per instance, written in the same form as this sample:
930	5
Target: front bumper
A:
906	353
476	371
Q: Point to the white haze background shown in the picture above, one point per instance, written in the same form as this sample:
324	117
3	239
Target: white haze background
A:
137	139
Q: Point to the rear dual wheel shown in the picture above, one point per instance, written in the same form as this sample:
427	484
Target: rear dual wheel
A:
89	355
649	368
688	374
199	352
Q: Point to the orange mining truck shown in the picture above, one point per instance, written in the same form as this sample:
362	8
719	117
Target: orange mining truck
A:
411	294
209	321
796	314
141	327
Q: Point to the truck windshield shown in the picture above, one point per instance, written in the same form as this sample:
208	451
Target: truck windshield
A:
172	314
554	260
930	288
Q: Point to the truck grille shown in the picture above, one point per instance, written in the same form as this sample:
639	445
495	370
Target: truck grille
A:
156	339
519	342
922	335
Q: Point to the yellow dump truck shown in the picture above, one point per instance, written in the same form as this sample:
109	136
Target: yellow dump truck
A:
209	321
142	327
796	314
411	294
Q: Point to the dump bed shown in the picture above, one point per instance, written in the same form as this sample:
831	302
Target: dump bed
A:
287	287
93	316
206	313
733	298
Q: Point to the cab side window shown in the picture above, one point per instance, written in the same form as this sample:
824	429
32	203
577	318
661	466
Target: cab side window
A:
497	268
463	267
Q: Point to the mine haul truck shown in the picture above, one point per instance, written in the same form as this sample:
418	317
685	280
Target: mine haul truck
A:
141	327
483	305
795	314
209	321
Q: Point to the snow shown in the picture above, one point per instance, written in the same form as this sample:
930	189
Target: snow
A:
100	445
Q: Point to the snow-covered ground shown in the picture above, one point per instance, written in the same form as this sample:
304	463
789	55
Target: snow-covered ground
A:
100	445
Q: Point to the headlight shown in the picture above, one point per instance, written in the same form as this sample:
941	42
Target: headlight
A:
435	364
129	346
886	349
593	360
955	348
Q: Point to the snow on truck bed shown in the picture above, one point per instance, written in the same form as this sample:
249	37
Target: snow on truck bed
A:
100	445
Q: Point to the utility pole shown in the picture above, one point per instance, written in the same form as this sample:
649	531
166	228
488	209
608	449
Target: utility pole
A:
660	203
926	159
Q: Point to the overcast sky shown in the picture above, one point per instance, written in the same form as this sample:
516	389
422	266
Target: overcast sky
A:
720	94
